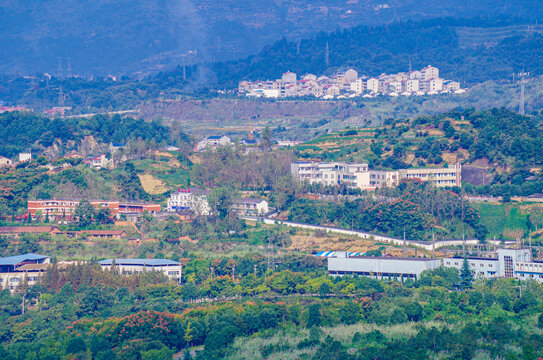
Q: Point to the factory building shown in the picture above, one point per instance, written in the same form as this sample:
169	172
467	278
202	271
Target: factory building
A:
505	263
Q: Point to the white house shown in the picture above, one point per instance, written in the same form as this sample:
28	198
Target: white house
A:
194	199
4	161
213	142
100	161
250	206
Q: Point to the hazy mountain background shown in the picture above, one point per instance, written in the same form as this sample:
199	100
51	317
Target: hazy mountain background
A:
142	36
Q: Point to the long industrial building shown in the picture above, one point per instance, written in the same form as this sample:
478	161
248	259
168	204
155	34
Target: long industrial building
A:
506	263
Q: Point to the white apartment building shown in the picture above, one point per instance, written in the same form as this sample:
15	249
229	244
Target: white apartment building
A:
441	177
372	85
289	77
328	173
350	75
430	72
436	84
357	86
194	199
361	177
171	269
412	85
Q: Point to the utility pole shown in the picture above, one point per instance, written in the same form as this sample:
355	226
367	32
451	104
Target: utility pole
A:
404	250
523	80
23	304
463	234
433	245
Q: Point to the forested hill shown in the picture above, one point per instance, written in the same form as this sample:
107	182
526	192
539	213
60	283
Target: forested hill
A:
468	50
127	36
26	131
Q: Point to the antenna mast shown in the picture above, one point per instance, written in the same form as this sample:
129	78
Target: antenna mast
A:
327	55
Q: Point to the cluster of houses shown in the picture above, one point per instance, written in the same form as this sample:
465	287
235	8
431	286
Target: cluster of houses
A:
348	84
27	269
358	175
22	158
195	200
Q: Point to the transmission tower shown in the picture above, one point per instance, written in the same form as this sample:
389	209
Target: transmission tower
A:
69	67
59	69
327	55
523	80
185	56
60	97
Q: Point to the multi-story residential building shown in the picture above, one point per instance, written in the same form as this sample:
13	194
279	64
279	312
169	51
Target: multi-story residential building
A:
436	84
194	199
441	177
505	263
359	176
24	269
357	86
332	173
288	78
64	209
430	72
373	85
250	207
172	269
412	85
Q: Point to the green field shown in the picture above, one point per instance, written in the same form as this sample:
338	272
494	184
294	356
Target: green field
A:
502	220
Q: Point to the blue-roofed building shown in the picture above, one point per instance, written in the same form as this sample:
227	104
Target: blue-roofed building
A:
15	269
172	269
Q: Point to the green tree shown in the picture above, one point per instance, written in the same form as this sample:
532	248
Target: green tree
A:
220	201
466	277
84	213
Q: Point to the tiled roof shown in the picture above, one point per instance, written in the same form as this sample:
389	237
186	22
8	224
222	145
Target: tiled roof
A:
142	262
26	229
14	260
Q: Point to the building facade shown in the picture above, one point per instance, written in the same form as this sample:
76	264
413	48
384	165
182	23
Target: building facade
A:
194	199
64	209
514	263
24	269
357	175
250	207
171	269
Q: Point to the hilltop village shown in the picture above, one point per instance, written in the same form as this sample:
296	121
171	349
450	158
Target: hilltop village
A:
350	84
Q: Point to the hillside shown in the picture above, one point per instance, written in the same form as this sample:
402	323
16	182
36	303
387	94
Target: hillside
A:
503	143
146	35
